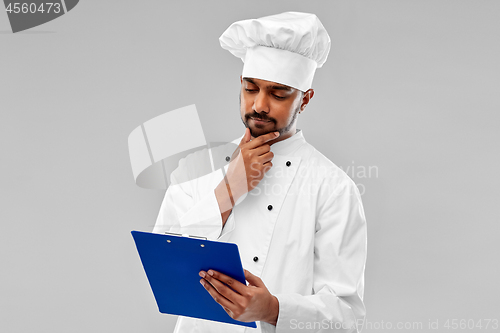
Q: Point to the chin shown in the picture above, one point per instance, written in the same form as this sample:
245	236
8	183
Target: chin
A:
256	132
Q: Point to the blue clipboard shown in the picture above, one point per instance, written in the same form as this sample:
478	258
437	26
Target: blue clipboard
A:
172	264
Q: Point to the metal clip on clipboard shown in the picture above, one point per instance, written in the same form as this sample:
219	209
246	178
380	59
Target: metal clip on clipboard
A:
184	235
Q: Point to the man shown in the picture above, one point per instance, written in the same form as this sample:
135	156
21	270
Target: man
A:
297	218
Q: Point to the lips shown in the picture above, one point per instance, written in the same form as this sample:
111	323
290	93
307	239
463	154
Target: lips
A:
261	120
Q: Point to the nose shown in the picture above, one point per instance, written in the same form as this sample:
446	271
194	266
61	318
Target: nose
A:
261	102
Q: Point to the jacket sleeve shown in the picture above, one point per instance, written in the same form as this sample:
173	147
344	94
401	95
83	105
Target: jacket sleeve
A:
336	304
182	212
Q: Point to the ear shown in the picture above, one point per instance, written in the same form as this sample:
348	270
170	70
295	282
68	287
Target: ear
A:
241	79
308	95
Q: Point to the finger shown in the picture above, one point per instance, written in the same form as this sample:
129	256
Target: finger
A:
229	312
266	157
267	166
246	137
253	279
228	293
224	302
260	150
262	139
227	280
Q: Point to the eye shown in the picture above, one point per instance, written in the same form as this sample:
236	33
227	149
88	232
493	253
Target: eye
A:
250	90
279	97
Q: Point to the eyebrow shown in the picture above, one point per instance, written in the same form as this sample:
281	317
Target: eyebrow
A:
275	87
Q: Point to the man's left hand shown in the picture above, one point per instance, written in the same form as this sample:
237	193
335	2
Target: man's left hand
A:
243	303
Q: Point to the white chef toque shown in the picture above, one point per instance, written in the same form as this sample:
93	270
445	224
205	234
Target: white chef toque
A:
284	48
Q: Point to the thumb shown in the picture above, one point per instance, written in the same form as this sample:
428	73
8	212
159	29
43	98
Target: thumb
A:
253	280
246	138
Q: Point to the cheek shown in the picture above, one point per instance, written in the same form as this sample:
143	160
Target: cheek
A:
283	112
246	104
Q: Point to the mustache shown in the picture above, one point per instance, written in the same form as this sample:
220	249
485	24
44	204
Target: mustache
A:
256	115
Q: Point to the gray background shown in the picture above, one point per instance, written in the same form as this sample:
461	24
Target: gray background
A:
410	87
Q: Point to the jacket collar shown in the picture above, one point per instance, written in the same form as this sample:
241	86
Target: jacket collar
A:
289	145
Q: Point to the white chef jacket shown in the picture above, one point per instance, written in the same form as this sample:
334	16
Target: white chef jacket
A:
302	230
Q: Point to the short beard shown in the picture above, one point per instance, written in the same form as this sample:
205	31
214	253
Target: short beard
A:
280	130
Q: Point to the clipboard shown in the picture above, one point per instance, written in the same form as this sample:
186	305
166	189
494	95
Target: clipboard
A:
172	264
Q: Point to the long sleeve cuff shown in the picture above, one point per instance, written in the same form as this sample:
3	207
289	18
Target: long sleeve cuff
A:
203	219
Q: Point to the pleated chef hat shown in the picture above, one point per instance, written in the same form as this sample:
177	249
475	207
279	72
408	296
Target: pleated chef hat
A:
284	48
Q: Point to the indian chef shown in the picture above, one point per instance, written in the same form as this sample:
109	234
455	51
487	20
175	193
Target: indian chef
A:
296	217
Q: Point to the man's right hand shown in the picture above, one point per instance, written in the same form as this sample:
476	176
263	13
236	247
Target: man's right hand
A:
249	163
